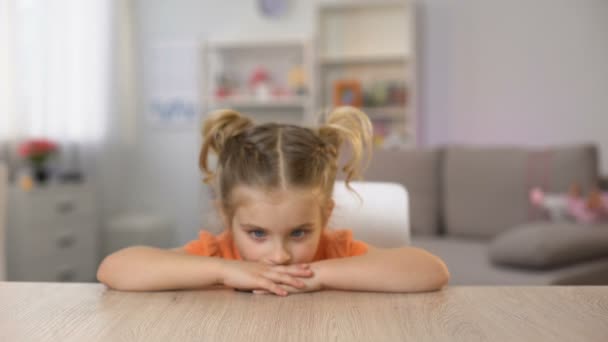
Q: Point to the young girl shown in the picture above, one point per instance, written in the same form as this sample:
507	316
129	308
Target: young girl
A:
274	184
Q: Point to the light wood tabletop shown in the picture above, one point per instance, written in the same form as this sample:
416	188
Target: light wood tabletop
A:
90	312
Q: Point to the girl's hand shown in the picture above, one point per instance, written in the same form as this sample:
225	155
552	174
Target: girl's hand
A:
311	283
258	276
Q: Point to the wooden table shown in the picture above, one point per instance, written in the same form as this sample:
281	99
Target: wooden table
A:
90	312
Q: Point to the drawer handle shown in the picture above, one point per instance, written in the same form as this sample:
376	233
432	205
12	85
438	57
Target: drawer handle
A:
67	274
66	241
65	207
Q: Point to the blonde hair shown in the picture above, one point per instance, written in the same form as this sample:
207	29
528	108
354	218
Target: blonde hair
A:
271	156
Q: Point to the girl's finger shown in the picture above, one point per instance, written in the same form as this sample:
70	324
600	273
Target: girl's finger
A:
300	273
272	287
283	278
290	289
294	270
260	292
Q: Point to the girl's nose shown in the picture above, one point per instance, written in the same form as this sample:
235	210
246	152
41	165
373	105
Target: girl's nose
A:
280	256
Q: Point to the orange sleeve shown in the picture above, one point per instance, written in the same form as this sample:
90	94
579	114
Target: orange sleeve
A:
340	244
358	248
206	245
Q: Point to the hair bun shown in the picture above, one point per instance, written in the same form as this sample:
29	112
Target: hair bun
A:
221	125
349	124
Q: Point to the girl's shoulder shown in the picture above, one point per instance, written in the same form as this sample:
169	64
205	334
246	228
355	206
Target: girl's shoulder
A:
208	244
338	235
339	243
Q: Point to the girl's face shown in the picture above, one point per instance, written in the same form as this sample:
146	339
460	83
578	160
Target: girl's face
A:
278	227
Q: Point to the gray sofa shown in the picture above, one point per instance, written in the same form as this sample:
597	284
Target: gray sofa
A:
469	205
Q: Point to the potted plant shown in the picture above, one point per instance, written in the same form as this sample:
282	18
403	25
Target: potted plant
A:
37	152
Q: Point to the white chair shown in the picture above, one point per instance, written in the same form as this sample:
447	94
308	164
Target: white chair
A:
3	190
381	219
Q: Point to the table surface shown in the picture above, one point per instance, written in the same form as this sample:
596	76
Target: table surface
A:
90	312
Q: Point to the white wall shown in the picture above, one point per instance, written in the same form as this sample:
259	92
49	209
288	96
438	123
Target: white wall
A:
511	71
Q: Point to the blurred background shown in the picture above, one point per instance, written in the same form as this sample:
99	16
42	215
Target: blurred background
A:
101	101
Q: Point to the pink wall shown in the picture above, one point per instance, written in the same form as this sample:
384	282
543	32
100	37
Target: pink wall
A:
518	72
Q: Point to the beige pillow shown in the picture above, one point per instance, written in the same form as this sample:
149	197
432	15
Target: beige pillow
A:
544	245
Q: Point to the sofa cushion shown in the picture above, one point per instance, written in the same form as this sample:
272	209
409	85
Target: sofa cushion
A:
418	171
547	245
486	188
469	264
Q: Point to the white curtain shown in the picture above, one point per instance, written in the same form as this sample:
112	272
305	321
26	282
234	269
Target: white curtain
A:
56	55
119	148
7	68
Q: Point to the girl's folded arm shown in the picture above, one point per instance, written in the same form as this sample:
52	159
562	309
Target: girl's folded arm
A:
405	269
141	268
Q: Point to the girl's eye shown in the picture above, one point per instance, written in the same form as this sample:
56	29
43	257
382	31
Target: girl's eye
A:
257	234
298	233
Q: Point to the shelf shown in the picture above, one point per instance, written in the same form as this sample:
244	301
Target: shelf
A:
257	43
371	59
249	102
388	112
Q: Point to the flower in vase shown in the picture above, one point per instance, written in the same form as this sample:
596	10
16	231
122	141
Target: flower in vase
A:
37	152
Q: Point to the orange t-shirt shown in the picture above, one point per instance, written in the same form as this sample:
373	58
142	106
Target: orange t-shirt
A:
333	244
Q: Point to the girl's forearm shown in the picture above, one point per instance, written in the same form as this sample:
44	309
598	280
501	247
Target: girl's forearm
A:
142	268
406	269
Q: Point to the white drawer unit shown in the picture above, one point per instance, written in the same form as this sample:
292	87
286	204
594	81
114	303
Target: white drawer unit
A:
52	234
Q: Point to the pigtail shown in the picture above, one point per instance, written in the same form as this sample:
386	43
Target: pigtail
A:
218	128
352	125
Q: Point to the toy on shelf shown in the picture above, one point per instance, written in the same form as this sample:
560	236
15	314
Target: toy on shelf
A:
397	94
348	93
384	93
259	83
297	80
573	205
224	87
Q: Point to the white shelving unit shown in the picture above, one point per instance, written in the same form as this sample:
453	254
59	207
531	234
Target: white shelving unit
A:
235	60
362	59
371	43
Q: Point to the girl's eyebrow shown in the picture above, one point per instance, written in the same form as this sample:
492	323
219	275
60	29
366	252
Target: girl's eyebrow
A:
302	226
253	226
